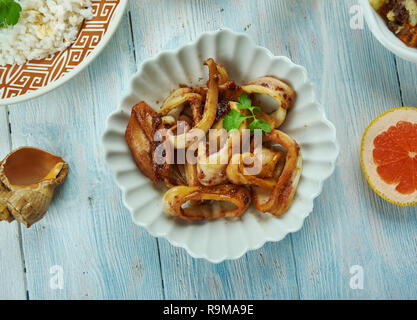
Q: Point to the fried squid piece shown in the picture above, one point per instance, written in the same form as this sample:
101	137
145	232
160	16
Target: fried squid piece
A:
139	137
212	163
272	165
278	200
281	92
224	81
223	75
175	103
191	174
228	91
184	140
206	203
211	168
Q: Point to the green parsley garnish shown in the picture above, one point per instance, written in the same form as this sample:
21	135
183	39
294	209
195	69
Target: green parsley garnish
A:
9	13
234	119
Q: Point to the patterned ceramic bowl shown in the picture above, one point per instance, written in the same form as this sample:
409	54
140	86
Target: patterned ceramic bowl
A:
306	122
37	77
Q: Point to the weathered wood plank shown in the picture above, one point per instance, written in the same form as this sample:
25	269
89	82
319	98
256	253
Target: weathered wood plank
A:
267	273
12	275
351	225
87	231
264	274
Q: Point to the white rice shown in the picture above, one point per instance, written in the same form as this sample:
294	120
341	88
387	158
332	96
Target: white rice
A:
44	28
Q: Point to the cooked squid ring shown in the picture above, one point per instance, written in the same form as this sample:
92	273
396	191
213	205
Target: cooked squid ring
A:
270	163
191	174
233	173
272	160
206	203
211	169
174	104
280	198
223	81
148	119
223	75
196	113
269	173
183	125
139	137
184	140
228	90
177	176
218	124
281	92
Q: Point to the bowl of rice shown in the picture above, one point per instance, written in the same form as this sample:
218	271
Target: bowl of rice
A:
52	41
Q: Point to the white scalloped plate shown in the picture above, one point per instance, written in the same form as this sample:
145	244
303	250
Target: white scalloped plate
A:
222	239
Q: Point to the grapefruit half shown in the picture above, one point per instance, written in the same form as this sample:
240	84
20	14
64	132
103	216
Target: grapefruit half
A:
389	155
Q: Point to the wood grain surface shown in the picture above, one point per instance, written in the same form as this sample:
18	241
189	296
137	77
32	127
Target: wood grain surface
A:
103	255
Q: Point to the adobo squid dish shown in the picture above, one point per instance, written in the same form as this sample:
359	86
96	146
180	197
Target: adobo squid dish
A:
218	148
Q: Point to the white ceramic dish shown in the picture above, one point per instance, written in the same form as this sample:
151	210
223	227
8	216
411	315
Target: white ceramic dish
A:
222	239
37	77
385	36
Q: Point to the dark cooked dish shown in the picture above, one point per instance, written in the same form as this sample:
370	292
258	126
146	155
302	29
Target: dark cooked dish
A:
217	150
401	18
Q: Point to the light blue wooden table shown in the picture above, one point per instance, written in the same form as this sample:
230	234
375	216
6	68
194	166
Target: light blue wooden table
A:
103	255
